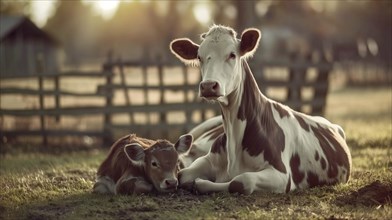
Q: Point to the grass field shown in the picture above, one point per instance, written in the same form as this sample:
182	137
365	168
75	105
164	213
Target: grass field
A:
58	186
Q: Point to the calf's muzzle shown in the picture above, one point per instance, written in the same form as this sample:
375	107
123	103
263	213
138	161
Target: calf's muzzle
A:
171	183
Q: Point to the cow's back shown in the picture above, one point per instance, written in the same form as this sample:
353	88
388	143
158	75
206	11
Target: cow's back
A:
317	151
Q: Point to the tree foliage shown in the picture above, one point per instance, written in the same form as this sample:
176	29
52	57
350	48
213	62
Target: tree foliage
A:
78	29
141	26
364	20
15	7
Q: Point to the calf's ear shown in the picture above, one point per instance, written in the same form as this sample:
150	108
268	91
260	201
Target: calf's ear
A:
184	143
250	39
134	152
185	50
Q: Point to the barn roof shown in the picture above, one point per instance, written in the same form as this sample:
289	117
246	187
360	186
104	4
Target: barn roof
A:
11	23
8	23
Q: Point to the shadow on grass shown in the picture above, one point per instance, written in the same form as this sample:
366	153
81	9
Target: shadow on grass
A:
374	194
89	205
184	205
180	205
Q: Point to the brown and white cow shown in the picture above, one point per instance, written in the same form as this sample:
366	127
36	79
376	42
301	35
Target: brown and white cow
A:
266	145
137	165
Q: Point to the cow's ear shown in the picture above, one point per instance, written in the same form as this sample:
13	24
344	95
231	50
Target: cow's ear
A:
185	50
134	152
184	143
250	39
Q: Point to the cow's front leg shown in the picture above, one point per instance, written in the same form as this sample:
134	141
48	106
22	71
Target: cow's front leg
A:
207	186
266	180
200	168
133	185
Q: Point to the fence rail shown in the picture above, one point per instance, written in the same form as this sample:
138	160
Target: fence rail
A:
114	84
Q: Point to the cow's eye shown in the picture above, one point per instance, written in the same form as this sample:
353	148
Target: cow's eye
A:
232	55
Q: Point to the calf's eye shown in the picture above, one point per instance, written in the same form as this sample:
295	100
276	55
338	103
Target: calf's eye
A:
232	56
154	164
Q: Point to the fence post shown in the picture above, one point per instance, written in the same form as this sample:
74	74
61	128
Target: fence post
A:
162	115
296	78
108	69
321	92
145	92
40	71
188	113
57	95
124	84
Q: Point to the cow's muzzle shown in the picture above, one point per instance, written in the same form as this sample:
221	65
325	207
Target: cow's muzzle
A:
210	89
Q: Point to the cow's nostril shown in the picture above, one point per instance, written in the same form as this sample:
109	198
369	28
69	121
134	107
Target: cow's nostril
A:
215	86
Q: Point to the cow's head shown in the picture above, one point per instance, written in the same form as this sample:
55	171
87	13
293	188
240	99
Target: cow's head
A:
219	57
160	161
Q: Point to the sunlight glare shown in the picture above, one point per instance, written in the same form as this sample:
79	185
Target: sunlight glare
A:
202	13
106	8
373	47
41	10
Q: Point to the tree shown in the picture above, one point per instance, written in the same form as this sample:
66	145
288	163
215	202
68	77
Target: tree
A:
77	28
146	28
15	7
368	19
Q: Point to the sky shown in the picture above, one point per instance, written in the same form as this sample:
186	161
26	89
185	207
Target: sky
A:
41	10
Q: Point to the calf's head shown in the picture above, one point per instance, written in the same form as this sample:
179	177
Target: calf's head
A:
219	57
191	155
160	161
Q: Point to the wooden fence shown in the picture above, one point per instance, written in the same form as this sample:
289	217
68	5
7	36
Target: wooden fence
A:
114	74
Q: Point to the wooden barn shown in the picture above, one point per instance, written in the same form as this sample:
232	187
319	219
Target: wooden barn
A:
25	49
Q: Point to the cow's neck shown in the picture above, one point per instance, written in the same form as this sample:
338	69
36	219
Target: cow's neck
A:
250	124
245	104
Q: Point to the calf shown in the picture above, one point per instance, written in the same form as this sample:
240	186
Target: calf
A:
138	165
204	136
265	145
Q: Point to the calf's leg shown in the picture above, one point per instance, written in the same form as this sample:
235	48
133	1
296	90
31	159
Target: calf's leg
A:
132	185
103	185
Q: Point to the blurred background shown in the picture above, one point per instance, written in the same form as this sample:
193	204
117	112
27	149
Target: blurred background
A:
57	37
86	30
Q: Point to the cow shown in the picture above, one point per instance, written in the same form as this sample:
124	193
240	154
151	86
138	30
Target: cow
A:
266	146
136	165
204	136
